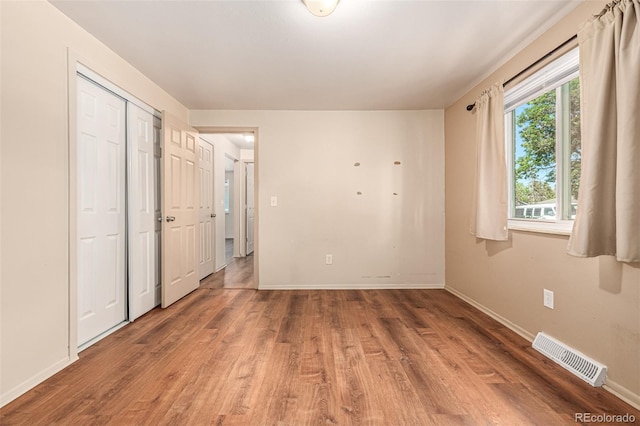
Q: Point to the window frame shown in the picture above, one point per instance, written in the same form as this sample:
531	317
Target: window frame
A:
552	76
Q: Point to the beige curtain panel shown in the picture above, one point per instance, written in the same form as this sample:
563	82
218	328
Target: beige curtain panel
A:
489	207
608	216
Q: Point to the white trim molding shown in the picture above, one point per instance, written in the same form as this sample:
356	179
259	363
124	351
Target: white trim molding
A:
35	380
612	387
502	320
623	393
351	286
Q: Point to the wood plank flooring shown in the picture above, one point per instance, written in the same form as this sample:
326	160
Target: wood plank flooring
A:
237	274
244	357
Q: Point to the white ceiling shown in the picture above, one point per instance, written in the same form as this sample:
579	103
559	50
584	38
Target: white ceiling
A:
273	54
238	140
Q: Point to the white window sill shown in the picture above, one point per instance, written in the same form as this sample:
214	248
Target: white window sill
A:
562	227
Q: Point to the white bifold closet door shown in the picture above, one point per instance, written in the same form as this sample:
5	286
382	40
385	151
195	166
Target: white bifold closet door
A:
144	210
101	201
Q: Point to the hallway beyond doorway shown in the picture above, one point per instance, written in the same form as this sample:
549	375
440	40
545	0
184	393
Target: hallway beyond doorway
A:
237	274
228	250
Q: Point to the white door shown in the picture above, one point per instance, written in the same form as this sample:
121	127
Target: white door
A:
180	208
207	215
101	165
250	207
144	277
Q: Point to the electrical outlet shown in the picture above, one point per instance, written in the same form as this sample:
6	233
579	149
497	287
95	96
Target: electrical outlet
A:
328	259
548	298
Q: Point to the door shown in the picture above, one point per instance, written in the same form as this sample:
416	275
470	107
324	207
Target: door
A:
250	206
101	215
180	208
143	148
207	215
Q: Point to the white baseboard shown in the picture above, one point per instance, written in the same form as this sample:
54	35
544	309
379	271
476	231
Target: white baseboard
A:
35	380
502	320
620	391
361	286
623	393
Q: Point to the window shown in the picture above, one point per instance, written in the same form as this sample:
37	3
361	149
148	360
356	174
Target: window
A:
226	196
542	129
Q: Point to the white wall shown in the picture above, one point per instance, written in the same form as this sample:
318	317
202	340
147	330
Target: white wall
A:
247	155
222	148
377	239
35	323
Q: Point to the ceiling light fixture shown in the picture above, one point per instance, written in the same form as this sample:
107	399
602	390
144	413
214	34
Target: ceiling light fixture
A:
321	7
249	137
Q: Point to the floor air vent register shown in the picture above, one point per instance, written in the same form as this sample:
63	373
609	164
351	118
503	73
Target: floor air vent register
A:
588	370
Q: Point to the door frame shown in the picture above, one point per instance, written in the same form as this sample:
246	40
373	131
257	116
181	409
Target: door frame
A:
256	187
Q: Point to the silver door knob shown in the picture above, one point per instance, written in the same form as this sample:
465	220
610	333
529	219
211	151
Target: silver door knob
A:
171	218
213	215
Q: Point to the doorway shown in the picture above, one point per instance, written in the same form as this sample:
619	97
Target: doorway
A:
235	203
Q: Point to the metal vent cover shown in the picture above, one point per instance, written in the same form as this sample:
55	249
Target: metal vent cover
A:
587	369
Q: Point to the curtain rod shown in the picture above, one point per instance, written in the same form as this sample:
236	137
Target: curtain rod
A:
471	106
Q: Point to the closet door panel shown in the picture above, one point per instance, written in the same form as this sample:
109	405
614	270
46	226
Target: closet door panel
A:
143	212
101	215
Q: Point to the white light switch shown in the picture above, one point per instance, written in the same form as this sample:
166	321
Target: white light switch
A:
274	201
548	298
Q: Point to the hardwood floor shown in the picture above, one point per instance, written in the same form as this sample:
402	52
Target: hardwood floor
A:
245	357
237	274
